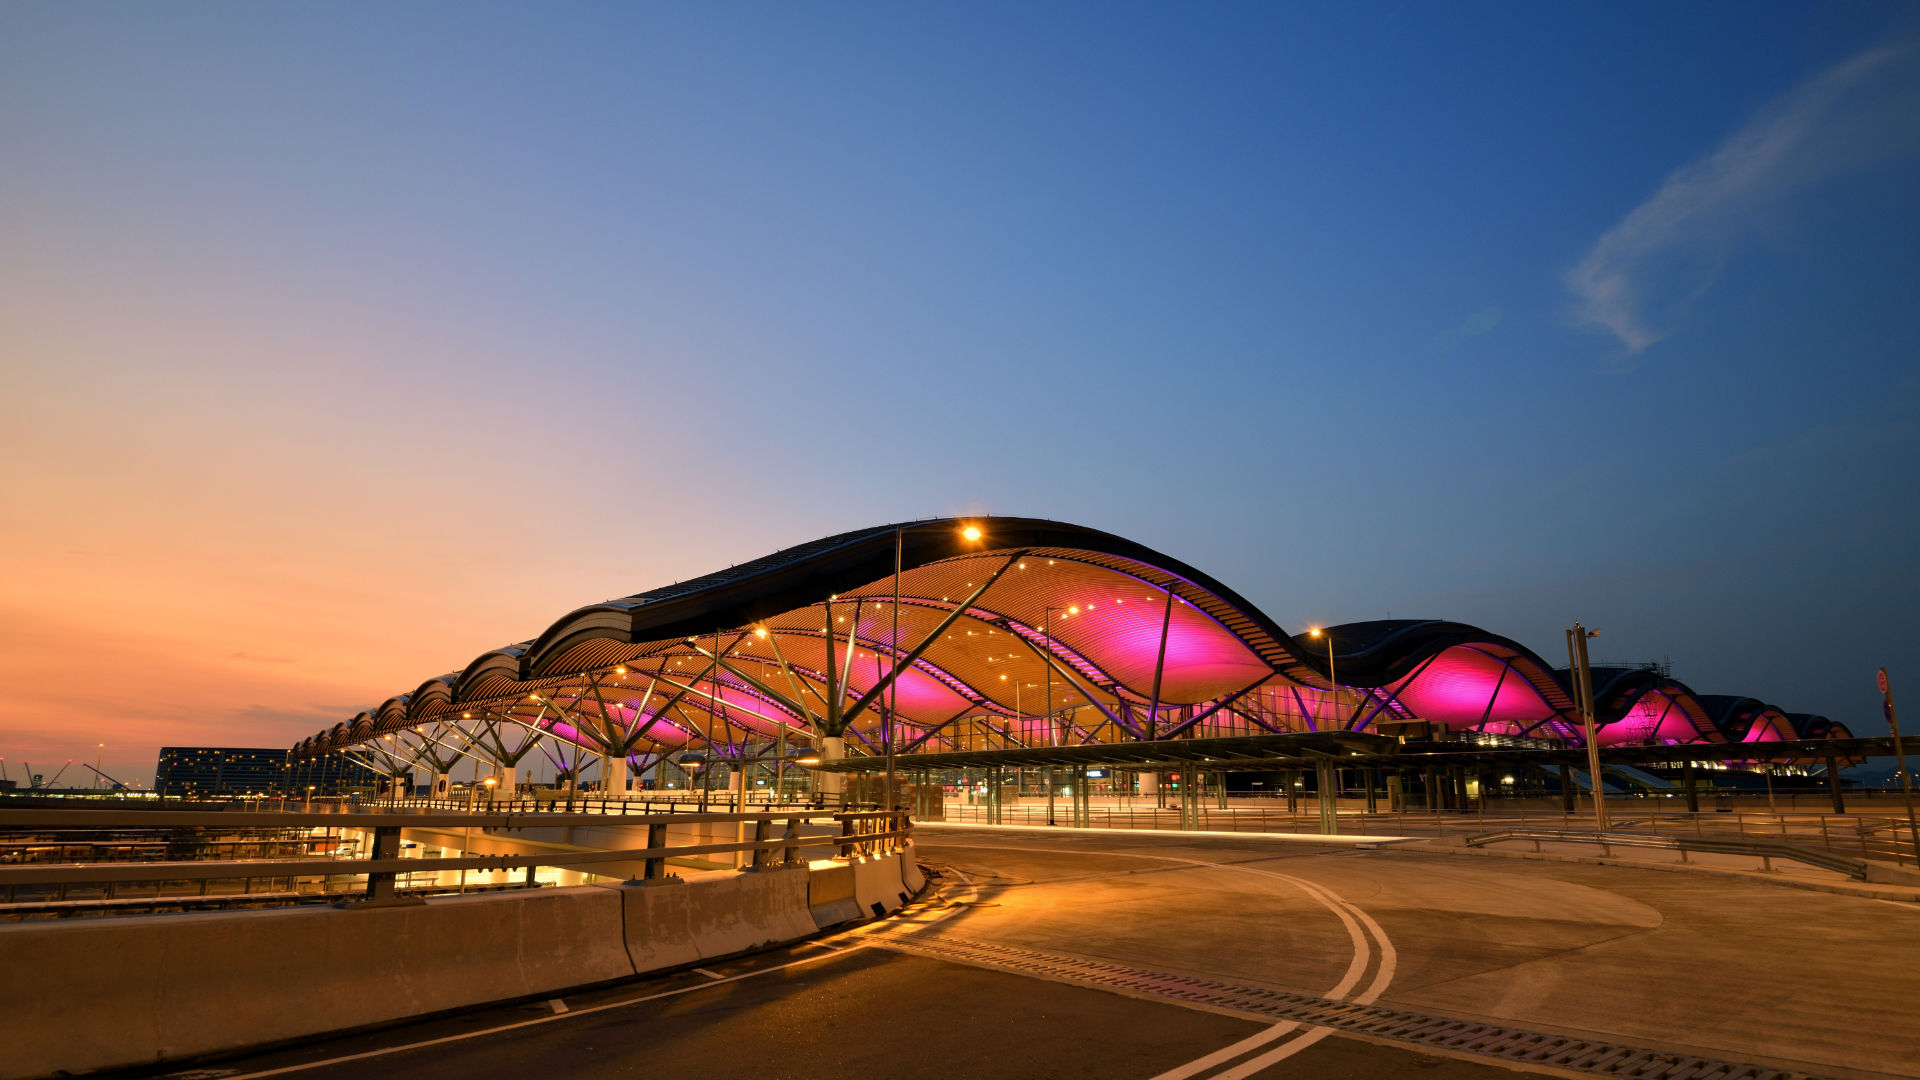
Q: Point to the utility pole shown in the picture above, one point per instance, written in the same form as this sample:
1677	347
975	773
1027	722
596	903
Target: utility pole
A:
1582	674
1900	755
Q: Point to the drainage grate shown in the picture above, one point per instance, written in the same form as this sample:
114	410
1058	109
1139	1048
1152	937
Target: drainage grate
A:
1462	1036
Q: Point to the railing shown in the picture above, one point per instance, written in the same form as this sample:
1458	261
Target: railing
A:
849	833
1854	835
1765	850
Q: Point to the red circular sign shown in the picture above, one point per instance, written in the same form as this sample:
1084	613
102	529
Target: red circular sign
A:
1883	680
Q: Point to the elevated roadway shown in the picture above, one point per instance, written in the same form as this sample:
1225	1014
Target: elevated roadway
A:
1070	953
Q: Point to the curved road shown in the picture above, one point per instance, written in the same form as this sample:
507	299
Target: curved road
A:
1057	953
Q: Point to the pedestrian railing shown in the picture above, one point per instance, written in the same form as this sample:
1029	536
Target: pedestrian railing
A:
778	838
1765	850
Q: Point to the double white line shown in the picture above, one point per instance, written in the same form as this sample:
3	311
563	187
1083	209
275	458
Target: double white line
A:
1369	943
1359	926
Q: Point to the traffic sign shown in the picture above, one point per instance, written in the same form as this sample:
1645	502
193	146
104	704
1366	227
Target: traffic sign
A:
1883	680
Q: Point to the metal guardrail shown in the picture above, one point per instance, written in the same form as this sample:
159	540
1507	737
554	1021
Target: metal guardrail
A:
860	833
1765	850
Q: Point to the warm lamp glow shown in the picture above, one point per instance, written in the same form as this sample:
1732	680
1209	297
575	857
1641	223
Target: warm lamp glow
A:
971	532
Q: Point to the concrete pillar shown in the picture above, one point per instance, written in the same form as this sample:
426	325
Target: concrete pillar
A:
1149	783
619	780
1833	786
1568	800
442	785
1691	782
508	787
831	787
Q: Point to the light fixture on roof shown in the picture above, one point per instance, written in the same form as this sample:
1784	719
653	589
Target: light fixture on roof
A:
760	631
971	533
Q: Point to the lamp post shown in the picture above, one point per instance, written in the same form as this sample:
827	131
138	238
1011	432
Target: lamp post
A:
1046	671
1332	681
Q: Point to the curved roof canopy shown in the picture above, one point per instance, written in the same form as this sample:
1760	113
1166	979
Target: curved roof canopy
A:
1006	632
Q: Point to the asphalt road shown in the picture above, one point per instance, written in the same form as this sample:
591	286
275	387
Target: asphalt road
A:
1089	954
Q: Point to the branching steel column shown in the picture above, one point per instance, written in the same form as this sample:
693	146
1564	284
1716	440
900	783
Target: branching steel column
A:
1229	699
1073	679
918	650
773	642
1160	667
833	726
799	710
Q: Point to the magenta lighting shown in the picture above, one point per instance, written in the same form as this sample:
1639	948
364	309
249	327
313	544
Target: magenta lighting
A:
1024	631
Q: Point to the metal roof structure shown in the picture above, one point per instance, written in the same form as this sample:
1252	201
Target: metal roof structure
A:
1005	634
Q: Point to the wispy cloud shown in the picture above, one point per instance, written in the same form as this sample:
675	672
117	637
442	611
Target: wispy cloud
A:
1476	324
1670	249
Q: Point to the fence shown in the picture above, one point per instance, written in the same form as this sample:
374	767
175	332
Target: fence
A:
386	875
1865	836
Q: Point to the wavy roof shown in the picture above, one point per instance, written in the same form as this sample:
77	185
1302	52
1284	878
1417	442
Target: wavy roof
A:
1001	623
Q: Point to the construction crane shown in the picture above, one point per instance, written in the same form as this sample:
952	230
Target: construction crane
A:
36	780
117	785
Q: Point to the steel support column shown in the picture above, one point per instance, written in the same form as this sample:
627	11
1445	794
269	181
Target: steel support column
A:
1327	780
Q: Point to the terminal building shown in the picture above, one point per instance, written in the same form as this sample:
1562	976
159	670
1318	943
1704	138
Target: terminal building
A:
944	638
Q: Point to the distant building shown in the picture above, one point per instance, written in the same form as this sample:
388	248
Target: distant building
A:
200	771
220	770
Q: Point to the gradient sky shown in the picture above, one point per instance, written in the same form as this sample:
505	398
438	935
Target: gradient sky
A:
343	343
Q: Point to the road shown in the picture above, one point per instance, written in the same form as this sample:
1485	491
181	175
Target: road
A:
1053	953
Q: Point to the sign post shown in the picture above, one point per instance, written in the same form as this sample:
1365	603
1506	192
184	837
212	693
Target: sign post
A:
1900	755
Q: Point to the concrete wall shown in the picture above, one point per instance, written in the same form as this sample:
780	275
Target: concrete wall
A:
134	990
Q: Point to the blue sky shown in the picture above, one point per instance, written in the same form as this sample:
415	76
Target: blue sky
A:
459	316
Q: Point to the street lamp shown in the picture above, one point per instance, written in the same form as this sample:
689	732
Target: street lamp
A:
1332	681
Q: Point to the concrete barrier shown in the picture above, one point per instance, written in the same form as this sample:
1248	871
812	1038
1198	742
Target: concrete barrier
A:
830	898
910	874
877	888
749	909
143	989
138	990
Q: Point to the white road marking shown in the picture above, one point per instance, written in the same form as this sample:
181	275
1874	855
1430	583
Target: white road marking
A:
557	1005
708	974
1349	914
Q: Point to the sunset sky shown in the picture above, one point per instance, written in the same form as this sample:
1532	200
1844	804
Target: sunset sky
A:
342	343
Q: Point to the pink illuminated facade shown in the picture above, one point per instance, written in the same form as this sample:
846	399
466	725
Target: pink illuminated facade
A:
1005	633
